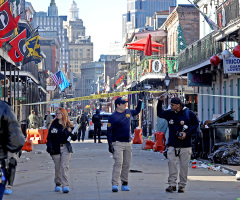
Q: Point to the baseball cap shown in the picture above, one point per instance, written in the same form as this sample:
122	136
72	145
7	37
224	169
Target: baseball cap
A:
120	100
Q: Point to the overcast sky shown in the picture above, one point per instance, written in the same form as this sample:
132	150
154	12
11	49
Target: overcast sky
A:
101	18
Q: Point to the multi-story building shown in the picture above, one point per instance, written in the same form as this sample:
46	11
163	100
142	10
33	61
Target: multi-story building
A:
50	22
88	83
139	10
80	45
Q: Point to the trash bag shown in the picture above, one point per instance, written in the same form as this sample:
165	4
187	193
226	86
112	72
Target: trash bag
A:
226	153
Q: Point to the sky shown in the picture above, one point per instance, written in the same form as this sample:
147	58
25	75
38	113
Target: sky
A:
101	18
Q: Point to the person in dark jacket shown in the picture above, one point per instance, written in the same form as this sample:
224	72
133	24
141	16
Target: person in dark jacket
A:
96	119
179	142
119	141
60	149
82	120
11	139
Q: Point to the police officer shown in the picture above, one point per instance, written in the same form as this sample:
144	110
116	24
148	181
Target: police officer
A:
179	141
82	120
11	139
96	119
119	141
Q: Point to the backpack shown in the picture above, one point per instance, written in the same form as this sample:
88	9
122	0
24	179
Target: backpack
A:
81	119
196	138
198	131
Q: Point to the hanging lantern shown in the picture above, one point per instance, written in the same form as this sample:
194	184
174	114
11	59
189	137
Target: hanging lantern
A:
215	60
236	51
226	54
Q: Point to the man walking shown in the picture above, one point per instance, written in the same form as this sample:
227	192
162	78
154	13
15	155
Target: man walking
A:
96	119
33	120
119	141
11	139
49	119
40	120
181	128
82	120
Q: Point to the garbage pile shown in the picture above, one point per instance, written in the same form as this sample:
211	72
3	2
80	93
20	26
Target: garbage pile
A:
226	153
209	166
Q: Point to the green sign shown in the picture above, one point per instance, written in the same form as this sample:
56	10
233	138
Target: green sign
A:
21	98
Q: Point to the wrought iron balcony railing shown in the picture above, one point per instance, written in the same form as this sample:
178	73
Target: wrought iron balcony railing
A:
227	11
198	52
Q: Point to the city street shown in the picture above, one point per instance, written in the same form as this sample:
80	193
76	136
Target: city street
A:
90	177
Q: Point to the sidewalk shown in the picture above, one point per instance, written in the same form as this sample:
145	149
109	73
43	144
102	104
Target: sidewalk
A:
91	171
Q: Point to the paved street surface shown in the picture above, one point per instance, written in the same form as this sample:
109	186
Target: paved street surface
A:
90	177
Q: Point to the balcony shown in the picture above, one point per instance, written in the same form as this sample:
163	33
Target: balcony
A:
198	52
231	12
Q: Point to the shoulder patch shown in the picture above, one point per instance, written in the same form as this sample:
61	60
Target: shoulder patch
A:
109	124
127	115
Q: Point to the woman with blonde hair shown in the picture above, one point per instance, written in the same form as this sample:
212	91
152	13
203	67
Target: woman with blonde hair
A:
60	148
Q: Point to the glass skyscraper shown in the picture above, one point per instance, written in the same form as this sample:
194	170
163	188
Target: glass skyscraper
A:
138	10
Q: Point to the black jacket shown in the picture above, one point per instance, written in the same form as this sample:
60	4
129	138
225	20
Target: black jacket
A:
56	136
176	121
96	119
11	136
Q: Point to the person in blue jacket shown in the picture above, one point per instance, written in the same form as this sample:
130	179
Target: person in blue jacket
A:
181	128
60	149
119	141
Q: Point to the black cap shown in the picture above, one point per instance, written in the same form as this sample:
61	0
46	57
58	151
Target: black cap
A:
176	100
120	100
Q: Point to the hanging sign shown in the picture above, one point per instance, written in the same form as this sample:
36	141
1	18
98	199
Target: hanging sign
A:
198	80
156	66
231	65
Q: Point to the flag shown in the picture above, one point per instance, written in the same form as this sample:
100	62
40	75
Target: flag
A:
7	22
212	25
60	80
33	47
8	35
18	47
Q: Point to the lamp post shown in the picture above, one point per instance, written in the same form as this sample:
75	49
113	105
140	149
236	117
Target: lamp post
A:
167	82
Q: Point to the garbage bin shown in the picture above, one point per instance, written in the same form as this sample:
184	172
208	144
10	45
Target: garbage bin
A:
24	127
144	130
134	125
150	128
206	142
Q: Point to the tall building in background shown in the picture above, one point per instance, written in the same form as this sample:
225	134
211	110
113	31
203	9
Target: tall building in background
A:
51	27
80	45
139	10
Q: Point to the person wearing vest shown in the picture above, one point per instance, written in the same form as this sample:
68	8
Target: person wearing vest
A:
82	120
179	141
96	119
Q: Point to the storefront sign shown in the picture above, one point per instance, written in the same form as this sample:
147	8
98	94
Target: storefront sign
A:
231	65
198	80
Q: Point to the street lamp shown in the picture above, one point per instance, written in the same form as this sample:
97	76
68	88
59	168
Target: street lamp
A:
167	82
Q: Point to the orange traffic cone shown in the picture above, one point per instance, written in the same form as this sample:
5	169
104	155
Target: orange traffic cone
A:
137	136
160	141
28	146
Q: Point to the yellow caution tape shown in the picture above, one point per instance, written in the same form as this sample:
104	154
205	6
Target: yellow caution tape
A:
101	96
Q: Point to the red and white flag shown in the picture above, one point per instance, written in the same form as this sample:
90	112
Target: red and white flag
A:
18	47
7	22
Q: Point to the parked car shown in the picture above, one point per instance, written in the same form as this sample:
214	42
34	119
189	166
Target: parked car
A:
104	121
